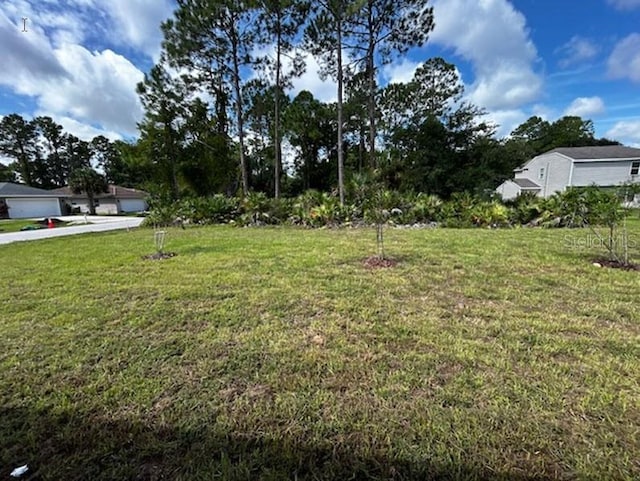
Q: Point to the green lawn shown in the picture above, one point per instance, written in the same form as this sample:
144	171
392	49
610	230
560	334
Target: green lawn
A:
14	225
274	354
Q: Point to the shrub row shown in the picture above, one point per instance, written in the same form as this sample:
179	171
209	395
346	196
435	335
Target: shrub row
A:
572	208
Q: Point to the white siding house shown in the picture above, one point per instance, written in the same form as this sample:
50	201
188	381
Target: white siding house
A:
116	200
554	171
510	189
18	201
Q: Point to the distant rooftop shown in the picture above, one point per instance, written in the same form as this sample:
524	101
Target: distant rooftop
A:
526	183
9	189
114	191
599	152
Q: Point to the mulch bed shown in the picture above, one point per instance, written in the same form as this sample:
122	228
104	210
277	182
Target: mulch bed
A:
617	265
376	262
159	255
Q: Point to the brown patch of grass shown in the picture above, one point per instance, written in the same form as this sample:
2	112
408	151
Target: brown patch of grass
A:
159	256
377	262
613	264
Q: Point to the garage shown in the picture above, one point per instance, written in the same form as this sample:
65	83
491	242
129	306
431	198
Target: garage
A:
132	205
25	202
115	200
29	207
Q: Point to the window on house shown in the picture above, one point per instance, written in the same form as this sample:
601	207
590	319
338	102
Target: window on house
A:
541	173
635	167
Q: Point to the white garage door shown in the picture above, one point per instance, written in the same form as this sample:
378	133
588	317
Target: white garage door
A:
24	208
133	205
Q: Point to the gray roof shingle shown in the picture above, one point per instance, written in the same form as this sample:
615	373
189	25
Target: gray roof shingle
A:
599	152
526	184
114	191
9	189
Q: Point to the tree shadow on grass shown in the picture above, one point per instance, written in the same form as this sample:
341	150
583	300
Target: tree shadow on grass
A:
65	445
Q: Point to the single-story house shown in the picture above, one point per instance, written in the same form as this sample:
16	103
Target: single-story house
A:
116	200
18	201
554	171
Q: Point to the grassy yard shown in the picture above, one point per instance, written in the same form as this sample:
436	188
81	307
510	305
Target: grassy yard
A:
274	354
11	225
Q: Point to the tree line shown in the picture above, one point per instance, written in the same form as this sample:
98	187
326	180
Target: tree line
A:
218	118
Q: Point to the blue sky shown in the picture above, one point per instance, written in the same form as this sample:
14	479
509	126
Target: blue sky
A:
80	60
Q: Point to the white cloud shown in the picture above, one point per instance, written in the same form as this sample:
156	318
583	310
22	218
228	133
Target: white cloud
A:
627	132
624	61
493	36
323	90
101	89
311	80
137	23
508	86
506	120
625	4
400	72
93	87
27	56
577	50
51	19
545	112
585	107
66	26
93	92
81	130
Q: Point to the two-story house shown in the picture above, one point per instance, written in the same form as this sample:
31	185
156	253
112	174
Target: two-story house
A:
554	171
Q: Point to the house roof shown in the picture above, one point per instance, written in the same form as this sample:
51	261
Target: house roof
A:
526	184
115	191
600	152
9	189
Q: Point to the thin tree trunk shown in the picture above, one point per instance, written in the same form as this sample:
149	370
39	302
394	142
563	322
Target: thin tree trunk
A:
239	116
92	202
221	105
371	101
340	88
171	162
26	171
276	128
361	148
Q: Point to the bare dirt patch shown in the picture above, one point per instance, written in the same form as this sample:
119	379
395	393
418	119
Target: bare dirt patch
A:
377	262
159	256
616	264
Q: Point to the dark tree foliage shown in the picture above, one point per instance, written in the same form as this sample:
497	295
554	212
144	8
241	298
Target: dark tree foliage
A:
6	174
53	170
44	155
325	37
214	41
536	136
356	116
18	141
207	165
163	99
380	30
260	99
130	167
88	181
311	129
279	23
78	153
437	142
428	160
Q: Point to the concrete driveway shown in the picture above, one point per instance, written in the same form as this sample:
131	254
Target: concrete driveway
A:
96	224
